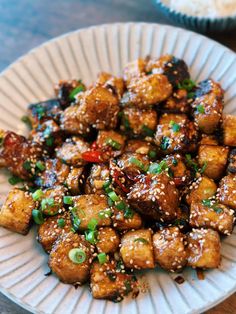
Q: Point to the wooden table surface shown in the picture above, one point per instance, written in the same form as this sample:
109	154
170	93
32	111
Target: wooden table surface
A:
25	24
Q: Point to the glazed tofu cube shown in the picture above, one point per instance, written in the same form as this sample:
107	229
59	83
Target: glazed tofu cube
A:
203	248
111	143
71	151
99	174
108	283
16	212
169	249
178	169
208	106
60	263
115	84
175	133
229	130
137	249
89	207
52	228
134	69
177	103
209	139
107	240
201	189
232	162
121	223
52	200
141	147
210	214
139	122
155	196
214	158
227	191
74	181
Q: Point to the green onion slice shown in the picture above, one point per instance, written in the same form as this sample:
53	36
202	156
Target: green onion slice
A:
68	200
113	196
142	240
37	216
137	163
121	205
40	165
91	236
14	180
47	202
92	225
152	154
37	195
61	223
147	131
200	109
187	84
114	144
175	126
76	91
27	165
77	256
165	143
102	258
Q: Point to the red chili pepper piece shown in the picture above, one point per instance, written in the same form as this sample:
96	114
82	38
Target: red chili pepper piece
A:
92	156
116	176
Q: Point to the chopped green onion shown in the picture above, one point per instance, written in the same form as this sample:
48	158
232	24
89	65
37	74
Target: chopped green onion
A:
200	109
191	163
142	240
49	141
37	216
147	131
92	225
91	236
126	123
165	142
203	167
106	184
129	213
27	165
175	162
27	121
137	163
152	154
68	200
190	95
113	196
77	256
40	165
75	222
218	210
128	287
47	202
156	168
114	144
102	258
37	195
40	111
187	84
61	223
76	91
209	204
105	213
110	202
14	180
108	190
175	126
121	205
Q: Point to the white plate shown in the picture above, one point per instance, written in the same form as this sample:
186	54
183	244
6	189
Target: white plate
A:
82	54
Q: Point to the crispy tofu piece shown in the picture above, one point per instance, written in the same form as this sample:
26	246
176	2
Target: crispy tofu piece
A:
201	189
51	230
203	248
178	169
208	106
53	199
213	215
71	151
74	180
175	133
122	223
232	162
139	122
107	138
107	240
134	69
115	84
209	139
141	147
155	196
137	249
16	212
60	263
227	191
109	283
99	174
88	207
169	249
177	103
215	158
229	130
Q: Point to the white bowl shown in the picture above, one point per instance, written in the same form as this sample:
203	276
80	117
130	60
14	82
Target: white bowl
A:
82	54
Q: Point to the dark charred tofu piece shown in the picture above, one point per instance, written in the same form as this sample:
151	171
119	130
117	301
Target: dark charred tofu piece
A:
210	214
209	139
109	283
141	147
71	151
134	69
111	143
121	223
16	211
175	69
75	179
232	162
226	192
139	122
208	106
177	169
19	155
66	91
178	102
72	121
229	130
55	173
107	240
52	229
155	196
99	108
52	200
89	207
169	249
99	174
137	249
201	189
112	83
60	263
175	133
203	248
214	159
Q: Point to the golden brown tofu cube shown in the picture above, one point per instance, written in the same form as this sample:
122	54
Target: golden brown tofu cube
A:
139	122
74	180
201	189
109	283
52	228
177	169
120	222
209	139
71	151
169	249
214	159
178	102
115	84
16	211
52	200
229	130
203	248
99	174
88	207
61	264
232	162
111	143
137	249
227	191
134	69
107	240
210	214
